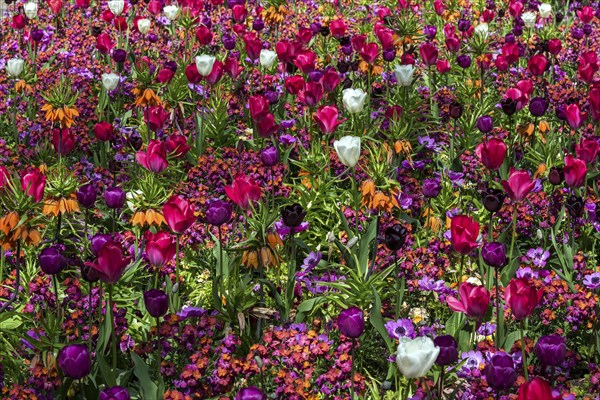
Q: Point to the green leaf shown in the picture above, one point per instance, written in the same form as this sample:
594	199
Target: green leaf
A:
105	370
376	320
510	340
306	307
149	390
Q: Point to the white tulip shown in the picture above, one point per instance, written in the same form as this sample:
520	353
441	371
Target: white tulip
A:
110	81
133	198
116	6
404	74
545	10
267	58
348	150
482	29
354	100
143	25
31	10
14	67
205	63
415	357
171	12
529	19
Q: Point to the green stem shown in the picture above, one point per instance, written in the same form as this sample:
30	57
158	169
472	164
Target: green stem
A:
55	285
90	316
514	231
352	369
158	346
499	316
396	273
523	353
112	325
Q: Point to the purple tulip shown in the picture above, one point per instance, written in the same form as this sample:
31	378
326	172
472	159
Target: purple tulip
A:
431	187
74	361
463	61
538	106
269	156
119	55
51	260
156	302
250	393
98	241
351	322
86	195
114	197
485	124
448	350
500	372
494	254
114	393
218	212
551	350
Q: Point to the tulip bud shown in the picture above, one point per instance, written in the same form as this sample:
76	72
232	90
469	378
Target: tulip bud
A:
110	81
14	67
395	237
51	260
351	322
494	254
551	350
114	393
114	197
500	372
74	361
348	150
448	350
171	12
156	302
205	63
269	156
218	212
30	9
267	58
293	215
415	357
143	25
354	100
404	74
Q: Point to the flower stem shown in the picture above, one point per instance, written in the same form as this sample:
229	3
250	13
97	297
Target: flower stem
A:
352	369
523	353
499	317
112	325
396	273
90	316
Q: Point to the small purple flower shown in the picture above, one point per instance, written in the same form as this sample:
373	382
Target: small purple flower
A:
283	230
401	328
592	281
538	256
527	273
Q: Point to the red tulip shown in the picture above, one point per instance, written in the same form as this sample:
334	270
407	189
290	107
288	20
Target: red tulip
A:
191	72
179	214
4	177
438	6
554	46
294	84
63	141
588	66
510	51
240	13
33	183
474	300
338	28
522	297
575	171
155	117
305	61
386	37
259	107
177	145
18	22
491	153
515	8
442	66
82	3
330	80
232	67
594	100
103	131
326	118
266	126
253	45
216	73
537	64
464	232
574	116
429	53
103	43
107	16
110	263
155	7
501	63
165	75
154	158
55	5
287	51
204	35
518	185
312	94
160	248
243	191
587	150
536	389
120	23
369	52
586	14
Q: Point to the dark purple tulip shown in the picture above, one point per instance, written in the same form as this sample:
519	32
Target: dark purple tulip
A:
152	37
119	55
538	106
463	61
315	76
517	30
156	302
218	212
351	322
37	35
347	50
430	31
448	350
556	176
560	112
551	350
493	199
51	260
315	27
74	361
258	25
510	38
293	215
494	254
574	206
86	195
269	156
509	106
395	237
464	25
98	241
250	393
431	187
389	55
114	197
485	124
114	393
587	30
577	33
228	42
272	97
456	110
88	273
172	65
500	372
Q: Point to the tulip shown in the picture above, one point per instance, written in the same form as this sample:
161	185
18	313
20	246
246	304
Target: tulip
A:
485	124
104	43
429	53
143	25
259	107
30	9
587	150
594	101
171	12
522	297
110	81
250	393
354	100
545	10
110	263
14	67
204	35
114	393
404	74
330	80
491	153
493	199
74	361
415	357
482	30
538	106
351	322
327	120
529	19
116	6
538	389
103	131
51	260
556	176
474	301
537	64
348	150
243	191
464	232
179	214
33	183
293	215
494	254
267	58
63	141
98	241
575	172
156	302
574	205
160	248
154	158
114	197
177	146
574	116
431	187
269	156
551	350
18	22
155	117
205	64
395	237
218	212
266	126
518	185
448	350
500	372
86	195
554	46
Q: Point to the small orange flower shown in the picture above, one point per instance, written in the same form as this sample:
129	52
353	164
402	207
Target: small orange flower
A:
150	217
64	206
146	97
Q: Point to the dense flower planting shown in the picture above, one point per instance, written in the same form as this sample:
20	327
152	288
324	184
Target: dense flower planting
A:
251	200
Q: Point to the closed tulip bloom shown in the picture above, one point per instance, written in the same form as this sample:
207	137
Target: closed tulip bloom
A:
327	120
250	393
160	248
243	191
537	64
429	53
545	10
538	389
518	185
491	153
293	215
63	141
415	357
51	260
348	150
267	58
156	302
74	361
171	12
464	232
522	297
155	117
269	156
154	158
474	300
551	350
177	146
448	350
354	100
575	172
110	263
110	81
587	150
98	241
30	9
103	131
86	195
351	322
575	118
494	254
485	124
114	197
538	106
529	19
404	74
395	237
143	25
114	393
116	6
500	372
218	212
33	183
493	199
179	214
556	176
14	67
205	64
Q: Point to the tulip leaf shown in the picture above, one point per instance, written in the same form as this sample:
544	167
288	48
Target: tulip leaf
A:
105	370
306	307
149	390
376	320
510	340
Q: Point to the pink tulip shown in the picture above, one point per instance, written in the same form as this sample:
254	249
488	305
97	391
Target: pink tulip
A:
522	297
575	171
326	118
474	301
518	185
